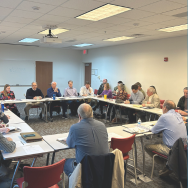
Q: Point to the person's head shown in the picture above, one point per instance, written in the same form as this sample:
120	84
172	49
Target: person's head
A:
34	85
121	87
70	83
106	86
151	91
104	81
139	85
185	91
154	88
53	84
134	88
85	111
120	82
87	84
6	89
168	105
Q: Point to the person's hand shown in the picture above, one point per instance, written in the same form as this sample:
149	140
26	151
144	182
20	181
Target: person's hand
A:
56	90
8	116
7	130
2	126
35	98
143	105
148	102
182	112
84	95
40	97
9	139
184	118
127	102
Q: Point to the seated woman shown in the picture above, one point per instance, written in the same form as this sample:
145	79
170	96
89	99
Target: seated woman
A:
107	91
7	94
122	94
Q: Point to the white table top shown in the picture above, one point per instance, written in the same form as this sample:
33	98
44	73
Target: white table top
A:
13	118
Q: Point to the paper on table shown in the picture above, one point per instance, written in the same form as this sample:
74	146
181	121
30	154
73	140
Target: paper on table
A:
33	149
113	135
65	135
18	144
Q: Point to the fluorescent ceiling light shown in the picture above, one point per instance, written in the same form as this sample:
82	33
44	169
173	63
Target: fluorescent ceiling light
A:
54	31
119	39
83	45
29	40
103	12
175	28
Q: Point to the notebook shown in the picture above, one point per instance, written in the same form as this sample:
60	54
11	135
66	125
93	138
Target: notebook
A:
35	138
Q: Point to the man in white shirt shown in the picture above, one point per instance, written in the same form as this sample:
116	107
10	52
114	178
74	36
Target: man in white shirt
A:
86	91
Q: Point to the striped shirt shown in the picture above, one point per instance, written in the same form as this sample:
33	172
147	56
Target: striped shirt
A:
122	96
5	145
70	92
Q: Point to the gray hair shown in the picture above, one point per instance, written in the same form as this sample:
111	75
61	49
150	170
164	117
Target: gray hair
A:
121	86
169	104
152	90
70	81
186	88
85	111
33	83
54	82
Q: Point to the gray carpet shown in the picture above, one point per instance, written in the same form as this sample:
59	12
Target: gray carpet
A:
60	125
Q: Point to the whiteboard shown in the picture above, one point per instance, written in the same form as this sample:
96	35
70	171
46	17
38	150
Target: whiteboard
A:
14	72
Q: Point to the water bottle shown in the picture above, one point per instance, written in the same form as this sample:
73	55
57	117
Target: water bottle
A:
54	96
139	122
2	106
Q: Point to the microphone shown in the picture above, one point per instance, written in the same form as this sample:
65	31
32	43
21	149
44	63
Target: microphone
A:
4	118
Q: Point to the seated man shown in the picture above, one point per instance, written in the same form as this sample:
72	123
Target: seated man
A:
86	91
172	127
116	90
70	92
136	98
88	136
101	88
140	88
152	100
33	93
182	104
50	92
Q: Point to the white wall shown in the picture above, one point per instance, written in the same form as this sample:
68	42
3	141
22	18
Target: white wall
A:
144	62
66	64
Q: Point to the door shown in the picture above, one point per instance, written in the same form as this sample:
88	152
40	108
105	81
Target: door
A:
87	72
44	75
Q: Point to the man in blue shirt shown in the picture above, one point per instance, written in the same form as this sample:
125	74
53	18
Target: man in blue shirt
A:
136	98
88	137
172	126
50	92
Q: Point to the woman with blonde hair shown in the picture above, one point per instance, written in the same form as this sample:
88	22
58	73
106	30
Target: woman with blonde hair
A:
7	94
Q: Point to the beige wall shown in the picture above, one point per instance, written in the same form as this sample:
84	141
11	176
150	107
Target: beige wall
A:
144	62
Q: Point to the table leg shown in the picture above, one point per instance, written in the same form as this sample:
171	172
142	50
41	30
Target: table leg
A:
33	163
107	113
135	148
143	151
120	114
47	160
15	171
53	157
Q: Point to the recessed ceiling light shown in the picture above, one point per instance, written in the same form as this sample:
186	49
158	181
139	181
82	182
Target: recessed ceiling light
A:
175	28
54	31
119	39
103	12
35	8
29	40
83	45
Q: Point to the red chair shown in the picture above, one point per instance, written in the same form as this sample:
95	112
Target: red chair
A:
128	96
114	97
125	145
42	177
95	91
161	103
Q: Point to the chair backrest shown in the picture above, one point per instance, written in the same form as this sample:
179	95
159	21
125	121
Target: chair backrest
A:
162	101
161	106
42	177
114	97
95	91
123	144
128	96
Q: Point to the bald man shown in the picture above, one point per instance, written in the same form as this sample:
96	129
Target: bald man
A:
172	126
88	136
54	90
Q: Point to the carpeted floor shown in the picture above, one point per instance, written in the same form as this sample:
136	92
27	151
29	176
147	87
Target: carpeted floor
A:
60	125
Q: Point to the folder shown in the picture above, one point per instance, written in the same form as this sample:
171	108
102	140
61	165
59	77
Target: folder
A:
35	138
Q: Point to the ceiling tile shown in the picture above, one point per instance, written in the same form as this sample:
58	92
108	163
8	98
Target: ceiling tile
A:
174	22
133	3
44	22
4	12
79	22
161	6
68	26
27	6
48	17
10	3
26	14
66	12
158	18
86	29
18	20
12	24
116	20
100	25
104	1
176	11
49	2
179	1
85	5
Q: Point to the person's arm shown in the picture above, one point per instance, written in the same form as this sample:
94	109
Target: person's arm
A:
130	98
65	93
155	104
159	126
28	95
12	96
81	91
75	92
100	90
5	145
70	139
102	93
139	99
50	93
181	103
92	93
41	94
58	94
1	96
145	100
109	94
4	130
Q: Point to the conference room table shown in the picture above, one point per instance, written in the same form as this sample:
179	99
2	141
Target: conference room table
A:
23	149
118	131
